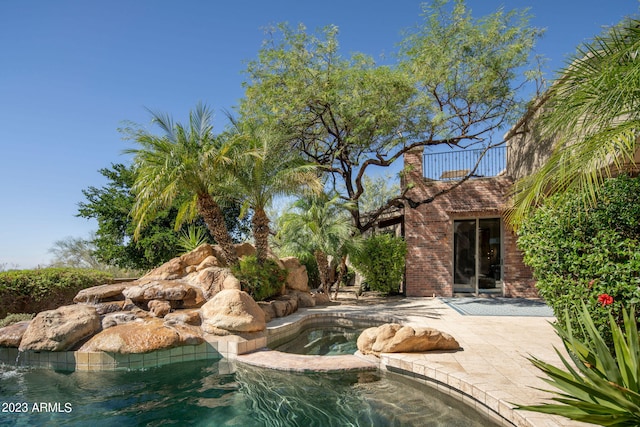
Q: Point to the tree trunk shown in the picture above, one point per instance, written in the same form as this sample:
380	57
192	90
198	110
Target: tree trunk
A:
323	270
214	219
260	225
342	269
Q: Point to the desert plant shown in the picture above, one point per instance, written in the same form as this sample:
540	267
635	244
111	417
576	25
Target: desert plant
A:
261	281
600	386
191	238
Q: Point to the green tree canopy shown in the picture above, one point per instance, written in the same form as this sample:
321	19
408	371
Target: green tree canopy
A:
113	242
456	83
317	225
592	113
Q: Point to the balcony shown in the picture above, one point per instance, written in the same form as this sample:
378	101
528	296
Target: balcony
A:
455	165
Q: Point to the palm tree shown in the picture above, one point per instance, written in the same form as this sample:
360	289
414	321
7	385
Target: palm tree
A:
183	162
264	168
593	114
319	225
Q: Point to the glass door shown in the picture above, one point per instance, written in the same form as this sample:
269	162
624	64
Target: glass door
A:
477	256
464	256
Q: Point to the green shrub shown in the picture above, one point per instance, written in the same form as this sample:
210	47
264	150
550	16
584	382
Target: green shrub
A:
12	318
31	291
260	281
309	261
581	253
381	262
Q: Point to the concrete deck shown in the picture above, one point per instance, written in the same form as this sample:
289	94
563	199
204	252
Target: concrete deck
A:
491	372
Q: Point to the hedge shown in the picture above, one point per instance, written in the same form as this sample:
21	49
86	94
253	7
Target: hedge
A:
32	291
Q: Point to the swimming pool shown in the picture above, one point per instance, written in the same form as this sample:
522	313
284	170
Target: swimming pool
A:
330	340
222	393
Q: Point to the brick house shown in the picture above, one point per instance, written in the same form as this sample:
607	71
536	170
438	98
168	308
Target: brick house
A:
459	243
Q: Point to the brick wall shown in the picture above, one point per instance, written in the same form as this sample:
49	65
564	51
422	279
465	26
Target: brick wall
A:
429	231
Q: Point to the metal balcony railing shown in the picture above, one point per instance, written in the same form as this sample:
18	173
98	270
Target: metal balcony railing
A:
457	164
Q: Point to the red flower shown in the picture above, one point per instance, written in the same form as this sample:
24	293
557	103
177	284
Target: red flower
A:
605	299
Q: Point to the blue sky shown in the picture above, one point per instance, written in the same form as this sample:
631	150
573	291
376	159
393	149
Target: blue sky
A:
72	71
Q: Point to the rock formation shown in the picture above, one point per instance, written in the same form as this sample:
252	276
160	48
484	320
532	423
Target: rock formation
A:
174	304
60	329
231	311
394	338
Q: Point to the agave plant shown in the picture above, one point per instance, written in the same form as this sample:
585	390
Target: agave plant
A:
598	387
191	238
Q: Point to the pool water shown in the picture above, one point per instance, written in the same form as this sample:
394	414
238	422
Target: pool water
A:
322	341
221	393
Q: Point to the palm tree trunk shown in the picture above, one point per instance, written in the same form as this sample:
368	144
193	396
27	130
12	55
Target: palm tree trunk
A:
323	270
260	224
342	269
214	219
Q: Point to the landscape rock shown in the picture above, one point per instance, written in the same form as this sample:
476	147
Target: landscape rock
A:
394	338
107	307
233	311
141	337
170	270
60	329
159	308
10	336
210	261
119	318
267	308
110	292
305	299
212	280
321	298
297	277
171	290
244	249
196	256
183	317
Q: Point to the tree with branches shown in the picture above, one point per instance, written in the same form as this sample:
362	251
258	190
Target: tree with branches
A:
457	83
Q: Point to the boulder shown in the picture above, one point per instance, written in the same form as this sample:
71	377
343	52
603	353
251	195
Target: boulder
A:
170	290
196	256
394	338
141	337
113	306
96	294
280	308
159	307
269	312
170	270
120	318
297	278
305	299
212	280
60	329
210	261
10	336
183	317
244	249
233	311
321	298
